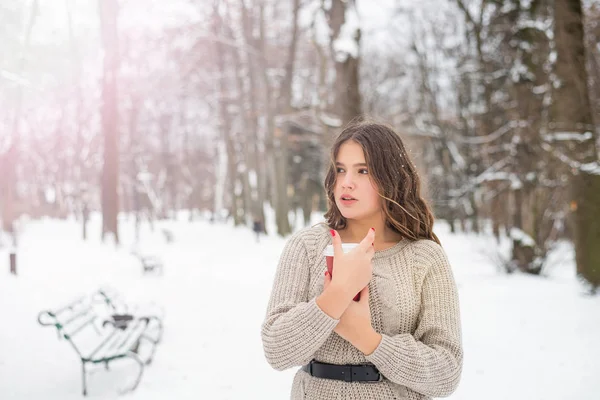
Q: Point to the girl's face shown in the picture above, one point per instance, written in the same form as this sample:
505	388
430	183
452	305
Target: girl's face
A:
355	194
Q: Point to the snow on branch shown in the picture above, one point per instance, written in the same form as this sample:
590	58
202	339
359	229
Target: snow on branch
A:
565	136
492	136
313	16
493	173
330	121
515	182
456	156
590	168
543	26
9	76
521	237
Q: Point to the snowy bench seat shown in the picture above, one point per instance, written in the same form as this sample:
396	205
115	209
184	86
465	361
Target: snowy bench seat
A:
99	338
152	264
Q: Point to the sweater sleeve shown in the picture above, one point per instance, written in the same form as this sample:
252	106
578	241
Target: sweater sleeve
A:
430	360
294	327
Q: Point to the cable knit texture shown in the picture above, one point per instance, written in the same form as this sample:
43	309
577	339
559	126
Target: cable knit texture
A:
414	306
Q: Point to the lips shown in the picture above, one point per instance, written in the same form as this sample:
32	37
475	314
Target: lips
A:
347	200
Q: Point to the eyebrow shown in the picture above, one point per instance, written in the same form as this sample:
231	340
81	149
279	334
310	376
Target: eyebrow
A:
355	165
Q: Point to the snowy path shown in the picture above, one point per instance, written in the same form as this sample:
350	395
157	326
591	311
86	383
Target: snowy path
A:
525	337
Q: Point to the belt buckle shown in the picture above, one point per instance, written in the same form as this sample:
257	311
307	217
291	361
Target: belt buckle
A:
310	367
380	379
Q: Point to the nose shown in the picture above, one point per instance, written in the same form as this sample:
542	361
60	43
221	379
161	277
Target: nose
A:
348	181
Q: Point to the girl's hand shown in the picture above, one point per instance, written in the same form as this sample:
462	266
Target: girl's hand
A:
355	322
352	271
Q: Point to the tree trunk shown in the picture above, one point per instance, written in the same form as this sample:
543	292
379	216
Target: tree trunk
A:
586	210
276	144
9	160
572	112
110	171
285	98
253	190
347	100
256	160
225	119
78	162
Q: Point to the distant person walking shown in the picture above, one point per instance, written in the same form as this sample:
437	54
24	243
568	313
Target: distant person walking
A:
258	228
401	339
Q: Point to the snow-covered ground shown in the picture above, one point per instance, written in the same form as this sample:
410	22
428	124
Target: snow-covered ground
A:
525	337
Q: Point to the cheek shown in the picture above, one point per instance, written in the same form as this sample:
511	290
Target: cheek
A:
336	189
374	199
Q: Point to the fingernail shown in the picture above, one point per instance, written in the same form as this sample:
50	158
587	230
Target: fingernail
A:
373	229
332	232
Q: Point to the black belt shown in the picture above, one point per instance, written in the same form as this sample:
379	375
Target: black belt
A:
348	373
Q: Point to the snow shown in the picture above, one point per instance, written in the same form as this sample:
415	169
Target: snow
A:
591	168
520	332
560	136
510	125
14	78
346	45
330	120
312	15
520	236
515	182
456	156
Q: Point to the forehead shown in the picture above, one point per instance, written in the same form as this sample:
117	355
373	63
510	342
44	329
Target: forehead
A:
350	151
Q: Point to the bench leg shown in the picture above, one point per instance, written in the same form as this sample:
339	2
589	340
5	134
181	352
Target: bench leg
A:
83	375
153	343
139	361
159	327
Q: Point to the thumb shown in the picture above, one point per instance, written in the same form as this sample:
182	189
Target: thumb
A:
369	239
337	243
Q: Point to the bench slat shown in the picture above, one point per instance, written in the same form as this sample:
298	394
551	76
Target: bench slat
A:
130	340
109	337
76	316
73	332
119	342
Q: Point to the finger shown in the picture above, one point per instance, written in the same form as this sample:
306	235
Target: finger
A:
327	280
337	243
370	252
368	241
364	295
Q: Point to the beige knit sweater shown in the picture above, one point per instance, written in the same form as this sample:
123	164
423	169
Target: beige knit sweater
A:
414	306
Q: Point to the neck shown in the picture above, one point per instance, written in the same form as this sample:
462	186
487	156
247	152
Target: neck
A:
356	230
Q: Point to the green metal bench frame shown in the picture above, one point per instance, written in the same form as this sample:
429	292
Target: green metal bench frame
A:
110	298
116	343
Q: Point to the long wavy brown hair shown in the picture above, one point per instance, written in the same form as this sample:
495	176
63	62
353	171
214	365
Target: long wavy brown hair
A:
394	175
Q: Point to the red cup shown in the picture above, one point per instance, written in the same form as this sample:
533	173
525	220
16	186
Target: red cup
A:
346	247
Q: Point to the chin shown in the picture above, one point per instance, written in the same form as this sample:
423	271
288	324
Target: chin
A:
350	214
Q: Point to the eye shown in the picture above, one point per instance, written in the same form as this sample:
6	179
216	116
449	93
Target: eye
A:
339	170
363	171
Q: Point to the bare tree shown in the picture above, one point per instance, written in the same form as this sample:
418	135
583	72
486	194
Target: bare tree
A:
9	160
574	136
344	46
108	10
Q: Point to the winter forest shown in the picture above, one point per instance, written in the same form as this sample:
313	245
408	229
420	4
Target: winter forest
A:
146	108
136	111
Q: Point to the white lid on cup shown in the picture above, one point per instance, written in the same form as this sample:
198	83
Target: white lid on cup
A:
346	247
